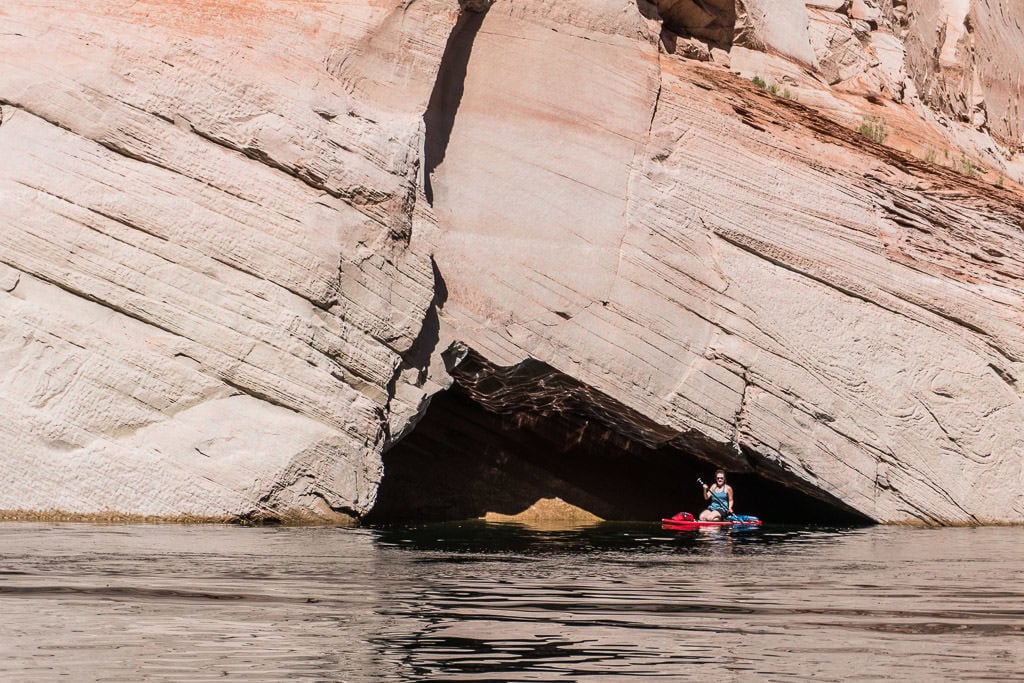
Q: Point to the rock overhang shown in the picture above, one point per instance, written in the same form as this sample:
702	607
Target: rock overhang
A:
503	440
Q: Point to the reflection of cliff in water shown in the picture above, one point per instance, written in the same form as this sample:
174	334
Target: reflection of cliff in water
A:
503	438
477	536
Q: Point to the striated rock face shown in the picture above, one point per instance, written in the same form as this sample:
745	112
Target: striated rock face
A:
206	215
244	246
966	60
833	311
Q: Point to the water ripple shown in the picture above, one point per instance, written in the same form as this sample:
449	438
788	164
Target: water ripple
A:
475	602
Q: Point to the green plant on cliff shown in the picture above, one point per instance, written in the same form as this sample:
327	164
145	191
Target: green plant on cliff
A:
772	88
873	128
966	167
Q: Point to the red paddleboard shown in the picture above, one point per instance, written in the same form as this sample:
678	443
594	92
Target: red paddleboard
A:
684	521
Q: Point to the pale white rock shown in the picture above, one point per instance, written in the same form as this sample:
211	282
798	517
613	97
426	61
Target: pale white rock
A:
242	246
720	56
976	47
890	52
236	197
734	303
9	278
998	33
838	50
865	10
779	26
569	151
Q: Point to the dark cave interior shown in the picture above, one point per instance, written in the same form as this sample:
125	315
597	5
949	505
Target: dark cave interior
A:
712	22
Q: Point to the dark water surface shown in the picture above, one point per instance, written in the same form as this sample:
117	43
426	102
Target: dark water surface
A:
475	602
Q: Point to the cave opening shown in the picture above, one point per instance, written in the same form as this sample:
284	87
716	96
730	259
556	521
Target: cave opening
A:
502	439
712	22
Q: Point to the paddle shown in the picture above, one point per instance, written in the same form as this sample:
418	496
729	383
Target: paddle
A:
732	515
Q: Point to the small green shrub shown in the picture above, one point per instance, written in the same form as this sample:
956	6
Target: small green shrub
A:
966	167
873	128
931	155
772	88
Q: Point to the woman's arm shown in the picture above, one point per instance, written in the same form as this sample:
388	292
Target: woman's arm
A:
707	492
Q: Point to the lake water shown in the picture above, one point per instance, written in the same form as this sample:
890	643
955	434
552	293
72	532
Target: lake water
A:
476	602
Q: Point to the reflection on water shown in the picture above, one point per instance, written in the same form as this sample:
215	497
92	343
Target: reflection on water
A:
475	602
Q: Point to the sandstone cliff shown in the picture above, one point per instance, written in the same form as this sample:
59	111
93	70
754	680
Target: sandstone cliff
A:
244	244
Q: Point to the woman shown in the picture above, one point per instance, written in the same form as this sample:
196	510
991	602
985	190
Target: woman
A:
720	495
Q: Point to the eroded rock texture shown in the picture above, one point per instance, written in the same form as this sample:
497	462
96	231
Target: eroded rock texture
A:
244	244
206	214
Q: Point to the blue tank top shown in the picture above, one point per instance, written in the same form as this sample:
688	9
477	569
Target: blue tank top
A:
719	501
